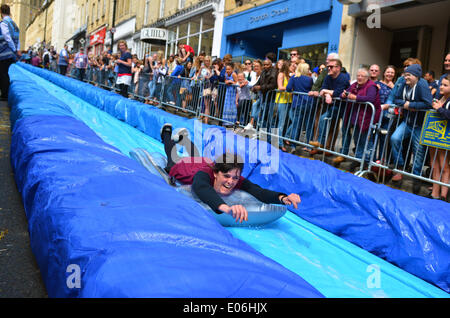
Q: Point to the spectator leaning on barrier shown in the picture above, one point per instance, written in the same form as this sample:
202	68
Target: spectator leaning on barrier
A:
9	48
267	82
319	81
249	73
358	114
414	95
256	96
243	98
174	86
283	101
229	106
401	80
301	112
385	86
447	72
333	86
440	157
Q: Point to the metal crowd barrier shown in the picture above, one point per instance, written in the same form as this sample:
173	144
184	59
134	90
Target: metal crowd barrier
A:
344	128
400	150
297	119
182	93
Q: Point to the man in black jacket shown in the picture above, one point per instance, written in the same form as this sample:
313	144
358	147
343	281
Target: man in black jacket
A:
267	82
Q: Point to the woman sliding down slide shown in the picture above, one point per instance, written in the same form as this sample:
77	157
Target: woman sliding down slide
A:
211	179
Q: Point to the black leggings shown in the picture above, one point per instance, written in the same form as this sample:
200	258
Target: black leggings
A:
171	151
123	90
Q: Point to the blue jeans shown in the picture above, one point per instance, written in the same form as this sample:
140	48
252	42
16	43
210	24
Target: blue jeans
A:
302	119
81	72
282	111
403	132
256	108
359	139
152	87
333	112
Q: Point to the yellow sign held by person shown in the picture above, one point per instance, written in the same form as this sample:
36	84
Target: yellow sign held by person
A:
435	131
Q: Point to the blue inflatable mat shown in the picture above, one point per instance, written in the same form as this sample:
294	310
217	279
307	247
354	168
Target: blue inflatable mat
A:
90	206
345	228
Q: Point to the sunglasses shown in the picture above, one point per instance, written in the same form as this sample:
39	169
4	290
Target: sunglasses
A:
248	63
331	66
294	54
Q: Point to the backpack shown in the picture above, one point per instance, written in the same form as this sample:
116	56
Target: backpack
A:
46	58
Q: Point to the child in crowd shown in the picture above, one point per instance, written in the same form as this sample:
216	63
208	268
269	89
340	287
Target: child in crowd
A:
243	98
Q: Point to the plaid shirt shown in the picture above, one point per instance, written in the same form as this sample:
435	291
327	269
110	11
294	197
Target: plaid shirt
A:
81	60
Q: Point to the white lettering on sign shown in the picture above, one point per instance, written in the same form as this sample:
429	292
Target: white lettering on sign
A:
274	13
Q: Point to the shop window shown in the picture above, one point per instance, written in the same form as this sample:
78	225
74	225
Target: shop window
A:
194	25
208	21
207	42
193	41
182	30
314	55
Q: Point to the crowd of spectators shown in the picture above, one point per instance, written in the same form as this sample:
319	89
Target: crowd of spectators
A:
282	94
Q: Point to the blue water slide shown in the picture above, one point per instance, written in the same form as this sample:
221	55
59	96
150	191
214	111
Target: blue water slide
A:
94	211
396	226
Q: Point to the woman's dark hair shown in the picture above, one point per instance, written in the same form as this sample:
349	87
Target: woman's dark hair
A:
228	161
4	9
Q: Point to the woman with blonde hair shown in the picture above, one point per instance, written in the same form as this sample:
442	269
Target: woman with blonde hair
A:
301	112
282	99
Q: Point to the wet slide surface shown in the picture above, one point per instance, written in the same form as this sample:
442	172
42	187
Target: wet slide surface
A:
332	265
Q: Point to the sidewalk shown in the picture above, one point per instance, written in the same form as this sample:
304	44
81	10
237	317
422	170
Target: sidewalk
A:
19	274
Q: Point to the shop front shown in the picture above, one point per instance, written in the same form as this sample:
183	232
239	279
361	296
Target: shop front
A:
77	39
198	26
311	26
122	31
151	40
406	28
97	41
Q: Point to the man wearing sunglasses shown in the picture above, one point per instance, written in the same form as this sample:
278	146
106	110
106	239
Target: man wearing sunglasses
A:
294	56
334	84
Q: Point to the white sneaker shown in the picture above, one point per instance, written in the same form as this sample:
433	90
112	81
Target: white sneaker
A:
249	127
178	136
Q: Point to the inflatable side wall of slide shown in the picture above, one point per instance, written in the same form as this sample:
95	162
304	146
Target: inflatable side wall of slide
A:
97	228
409	231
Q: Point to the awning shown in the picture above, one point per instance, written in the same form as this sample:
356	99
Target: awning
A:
78	33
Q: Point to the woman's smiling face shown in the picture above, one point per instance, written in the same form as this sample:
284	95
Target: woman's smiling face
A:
225	182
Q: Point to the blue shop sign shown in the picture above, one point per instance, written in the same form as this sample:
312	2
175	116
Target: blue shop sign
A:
274	12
